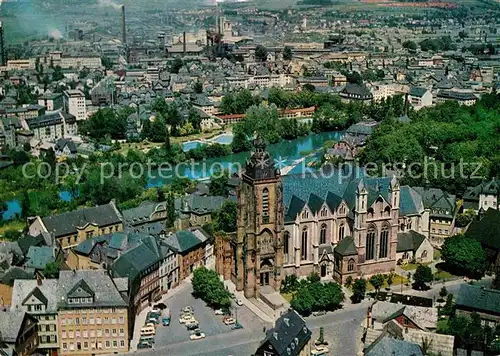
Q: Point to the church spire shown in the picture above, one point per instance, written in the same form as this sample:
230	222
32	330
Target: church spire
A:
260	165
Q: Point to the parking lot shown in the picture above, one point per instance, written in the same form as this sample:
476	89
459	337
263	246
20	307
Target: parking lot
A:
209	323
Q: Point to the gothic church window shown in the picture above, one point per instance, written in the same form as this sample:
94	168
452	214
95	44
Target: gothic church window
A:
350	265
341	231
384	242
305	214
286	240
322	235
370	244
303	247
324	212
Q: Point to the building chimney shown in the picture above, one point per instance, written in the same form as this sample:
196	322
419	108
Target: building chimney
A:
184	43
124	28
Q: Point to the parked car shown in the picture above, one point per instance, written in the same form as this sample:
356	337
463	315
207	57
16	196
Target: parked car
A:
319	351
155	310
160	306
144	345
197	335
186	318
318	313
188	309
148	330
165	321
229	321
148	339
237	326
219	312
239	302
192	324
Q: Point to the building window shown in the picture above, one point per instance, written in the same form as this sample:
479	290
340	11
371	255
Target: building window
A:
384	242
122	343
265	206
305	214
341	231
324	212
370	244
350	265
65	346
424	254
322	234
115	344
107	344
286	240
303	247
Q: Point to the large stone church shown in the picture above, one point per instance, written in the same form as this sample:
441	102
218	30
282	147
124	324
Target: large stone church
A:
331	224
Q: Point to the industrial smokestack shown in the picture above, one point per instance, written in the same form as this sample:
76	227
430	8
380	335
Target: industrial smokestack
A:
184	43
3	55
124	28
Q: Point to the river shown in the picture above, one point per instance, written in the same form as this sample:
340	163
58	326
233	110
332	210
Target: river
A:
287	154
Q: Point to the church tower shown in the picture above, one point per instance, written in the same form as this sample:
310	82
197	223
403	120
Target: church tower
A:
259	252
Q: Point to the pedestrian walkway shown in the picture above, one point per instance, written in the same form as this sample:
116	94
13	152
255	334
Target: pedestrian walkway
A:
265	315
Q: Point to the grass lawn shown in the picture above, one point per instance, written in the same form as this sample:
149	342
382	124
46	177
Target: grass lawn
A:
12	225
443	275
412	266
396	281
288	296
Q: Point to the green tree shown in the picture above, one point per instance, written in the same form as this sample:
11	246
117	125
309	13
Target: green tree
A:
106	122
3	209
290	284
410	45
26	210
422	275
51	270
348	281
443	292
57	75
198	87
261	53
377	281
464	255
207	286
240	141
218	184
390	279
313	277
225	218
170	207
195	119
287	53
12	235
358	290
448	306
177	64
107	63
160	195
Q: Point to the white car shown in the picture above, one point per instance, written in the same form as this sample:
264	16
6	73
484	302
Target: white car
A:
219	312
197	336
186	318
229	321
239	302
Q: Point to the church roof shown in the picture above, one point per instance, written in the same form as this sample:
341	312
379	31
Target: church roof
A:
346	247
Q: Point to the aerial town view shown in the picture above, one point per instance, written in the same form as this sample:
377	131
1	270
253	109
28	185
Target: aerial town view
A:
250	177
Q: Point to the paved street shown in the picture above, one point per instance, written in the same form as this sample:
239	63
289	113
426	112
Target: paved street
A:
342	330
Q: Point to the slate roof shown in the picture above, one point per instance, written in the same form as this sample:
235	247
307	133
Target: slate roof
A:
46	291
98	281
63	142
356	91
38	257
389	346
487	230
15	273
332	189
346	247
186	240
289	329
131	263
438	201
417	91
409	241
67	223
479	299
10	325
27	241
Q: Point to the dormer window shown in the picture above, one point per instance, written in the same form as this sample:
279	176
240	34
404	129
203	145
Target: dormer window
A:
305	214
323	212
